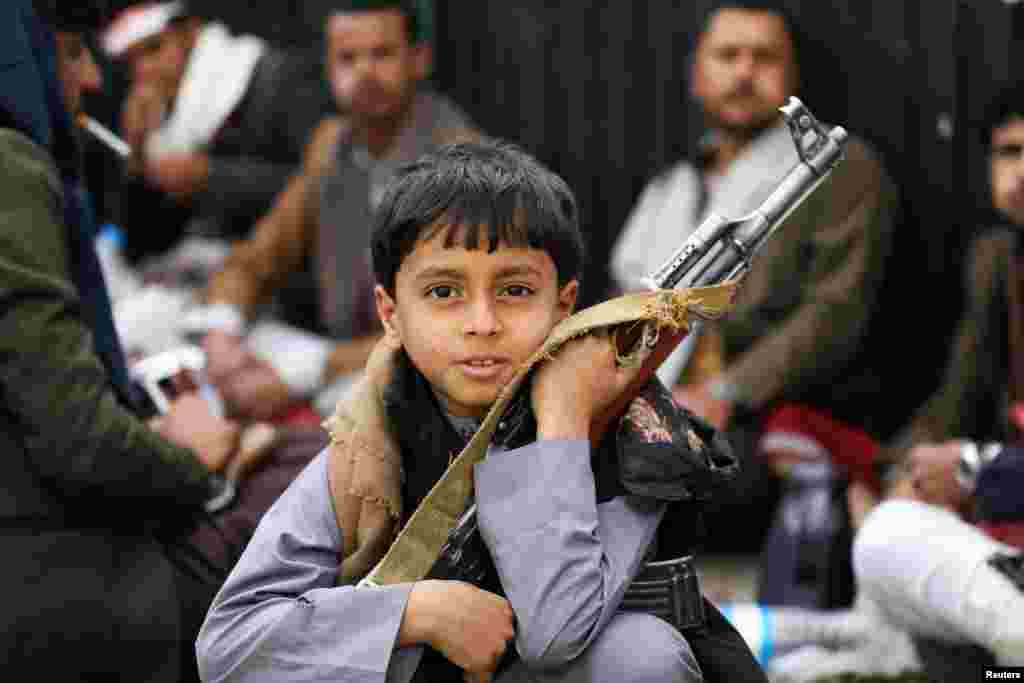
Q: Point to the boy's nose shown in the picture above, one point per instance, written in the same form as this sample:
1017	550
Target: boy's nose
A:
483	318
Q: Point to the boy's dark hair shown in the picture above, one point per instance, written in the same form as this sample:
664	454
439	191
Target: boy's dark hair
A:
491	184
1007	104
410	9
73	16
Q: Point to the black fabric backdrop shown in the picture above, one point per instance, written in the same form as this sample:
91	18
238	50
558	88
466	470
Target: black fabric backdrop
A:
597	89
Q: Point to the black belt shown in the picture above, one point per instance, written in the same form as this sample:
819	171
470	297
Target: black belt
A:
669	589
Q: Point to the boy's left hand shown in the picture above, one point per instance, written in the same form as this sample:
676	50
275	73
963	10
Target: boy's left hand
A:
576	385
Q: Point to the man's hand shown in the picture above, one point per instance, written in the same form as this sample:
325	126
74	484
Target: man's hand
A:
250	386
225	354
576	385
255	391
469	626
932	472
190	423
699	400
142	113
179	175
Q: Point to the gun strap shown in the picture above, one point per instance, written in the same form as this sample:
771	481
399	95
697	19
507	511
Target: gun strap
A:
418	545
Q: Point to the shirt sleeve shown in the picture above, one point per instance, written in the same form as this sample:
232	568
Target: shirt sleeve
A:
280	615
564	560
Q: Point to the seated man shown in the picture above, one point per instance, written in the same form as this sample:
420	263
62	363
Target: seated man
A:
216	123
980	395
376	63
931	571
476	252
799	334
946	587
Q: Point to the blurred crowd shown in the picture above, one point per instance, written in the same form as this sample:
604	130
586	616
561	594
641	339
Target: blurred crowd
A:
231	293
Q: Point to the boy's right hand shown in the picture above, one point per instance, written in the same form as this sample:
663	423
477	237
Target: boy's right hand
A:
471	627
380	365
575	386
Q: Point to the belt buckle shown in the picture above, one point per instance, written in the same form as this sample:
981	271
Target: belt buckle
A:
669	589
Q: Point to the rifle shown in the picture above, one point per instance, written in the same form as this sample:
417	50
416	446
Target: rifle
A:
720	250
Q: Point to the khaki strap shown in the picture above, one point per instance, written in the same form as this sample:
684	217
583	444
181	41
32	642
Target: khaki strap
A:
418	545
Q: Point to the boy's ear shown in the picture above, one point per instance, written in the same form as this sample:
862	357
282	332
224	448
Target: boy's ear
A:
386	311
567	298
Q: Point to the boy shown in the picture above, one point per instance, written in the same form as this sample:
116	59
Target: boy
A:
476	251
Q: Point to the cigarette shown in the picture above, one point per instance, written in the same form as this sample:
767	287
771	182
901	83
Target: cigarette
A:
105	135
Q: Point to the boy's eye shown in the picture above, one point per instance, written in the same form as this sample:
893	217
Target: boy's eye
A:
442	292
516	290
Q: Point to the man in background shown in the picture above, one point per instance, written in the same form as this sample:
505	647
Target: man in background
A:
797	336
217	124
377	62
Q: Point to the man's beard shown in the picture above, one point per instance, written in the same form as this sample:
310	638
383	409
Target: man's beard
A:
396	104
744	131
747	130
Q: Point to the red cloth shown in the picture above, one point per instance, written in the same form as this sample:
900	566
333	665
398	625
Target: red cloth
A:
1010	533
299	415
847	446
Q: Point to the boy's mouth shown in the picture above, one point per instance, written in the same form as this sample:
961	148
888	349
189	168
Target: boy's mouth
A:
483	367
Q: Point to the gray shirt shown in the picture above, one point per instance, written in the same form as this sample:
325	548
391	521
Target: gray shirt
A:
564	561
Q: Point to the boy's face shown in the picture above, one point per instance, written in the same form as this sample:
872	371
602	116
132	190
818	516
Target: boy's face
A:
468	319
1007	168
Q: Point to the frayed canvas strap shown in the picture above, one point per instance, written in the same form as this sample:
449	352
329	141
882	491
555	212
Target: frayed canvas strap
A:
417	546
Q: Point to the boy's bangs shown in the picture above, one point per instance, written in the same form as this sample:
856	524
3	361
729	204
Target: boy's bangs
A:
505	220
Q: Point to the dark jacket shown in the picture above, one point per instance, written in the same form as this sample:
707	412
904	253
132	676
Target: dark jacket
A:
971	400
803	328
87	587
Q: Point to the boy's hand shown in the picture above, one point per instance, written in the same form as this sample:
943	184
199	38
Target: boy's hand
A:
469	626
576	385
381	363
